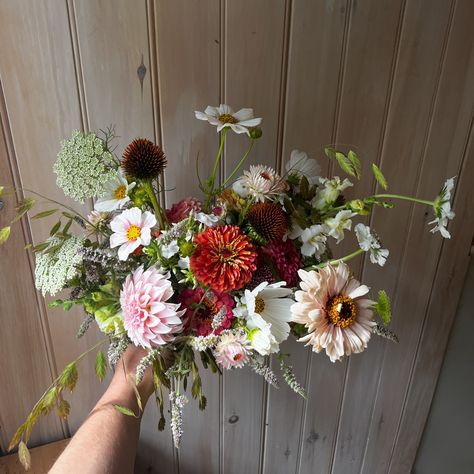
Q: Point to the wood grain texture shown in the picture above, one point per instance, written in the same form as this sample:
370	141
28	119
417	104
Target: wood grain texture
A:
26	373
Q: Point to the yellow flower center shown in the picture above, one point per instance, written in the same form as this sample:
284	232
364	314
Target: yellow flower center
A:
341	311
120	192
259	305
227	118
133	232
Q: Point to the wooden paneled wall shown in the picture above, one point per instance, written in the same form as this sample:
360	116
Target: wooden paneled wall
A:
393	79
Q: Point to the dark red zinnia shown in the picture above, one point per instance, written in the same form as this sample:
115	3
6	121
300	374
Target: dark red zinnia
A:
285	258
224	258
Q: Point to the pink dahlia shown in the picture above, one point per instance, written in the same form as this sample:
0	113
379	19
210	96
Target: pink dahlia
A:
147	317
232	350
286	259
224	258
202	310
332	306
181	209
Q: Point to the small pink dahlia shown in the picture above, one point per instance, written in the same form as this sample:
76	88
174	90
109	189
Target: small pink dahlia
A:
286	259
147	317
180	210
203	309
232	350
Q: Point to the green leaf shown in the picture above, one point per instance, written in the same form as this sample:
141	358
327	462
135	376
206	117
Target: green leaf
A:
379	176
202	402
330	152
64	409
2	188
124	410
68	215
66	227
4	234
55	228
24	456
67	305
383	307
100	365
354	159
69	376
47	213
41	247
16	437
25	205
345	164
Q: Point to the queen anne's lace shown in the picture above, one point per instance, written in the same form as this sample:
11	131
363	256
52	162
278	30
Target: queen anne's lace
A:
84	166
56	268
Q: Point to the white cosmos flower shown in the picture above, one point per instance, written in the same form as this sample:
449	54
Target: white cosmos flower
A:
116	194
224	116
301	165
369	243
263	341
442	209
267	304
131	228
314	241
335	226
329	191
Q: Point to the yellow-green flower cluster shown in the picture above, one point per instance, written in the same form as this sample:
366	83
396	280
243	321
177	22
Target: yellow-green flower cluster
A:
84	166
56	268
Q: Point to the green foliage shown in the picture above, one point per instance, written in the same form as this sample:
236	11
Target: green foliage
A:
383	307
100	365
4	234
24	456
63	409
349	163
125	410
47	213
69	376
379	176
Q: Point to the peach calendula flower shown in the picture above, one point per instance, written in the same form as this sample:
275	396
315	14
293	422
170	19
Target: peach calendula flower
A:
332	306
149	319
131	228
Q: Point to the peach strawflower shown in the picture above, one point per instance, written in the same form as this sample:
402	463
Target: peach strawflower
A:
332	306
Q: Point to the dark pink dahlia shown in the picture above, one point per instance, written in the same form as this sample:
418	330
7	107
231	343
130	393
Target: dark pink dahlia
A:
180	210
285	258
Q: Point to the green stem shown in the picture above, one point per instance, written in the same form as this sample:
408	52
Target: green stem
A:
212	179
337	260
240	163
156	207
403	198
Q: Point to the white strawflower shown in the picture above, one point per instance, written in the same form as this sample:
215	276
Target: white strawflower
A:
224	116
369	243
335	226
54	269
442	209
300	165
116	193
328	191
314	241
260	182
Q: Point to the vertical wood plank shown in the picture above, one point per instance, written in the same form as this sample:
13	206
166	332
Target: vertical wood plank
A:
37	65
316	35
26	370
254	59
189	78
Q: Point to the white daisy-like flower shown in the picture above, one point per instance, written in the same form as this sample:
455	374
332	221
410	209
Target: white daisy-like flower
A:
224	116
260	182
314	241
370	243
267	304
335	226
301	165
116	194
328	191
131	228
442	209
332	307
263	341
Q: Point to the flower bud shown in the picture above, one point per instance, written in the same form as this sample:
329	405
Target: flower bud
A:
255	132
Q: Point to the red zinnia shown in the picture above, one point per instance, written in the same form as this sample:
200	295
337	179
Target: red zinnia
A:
224	258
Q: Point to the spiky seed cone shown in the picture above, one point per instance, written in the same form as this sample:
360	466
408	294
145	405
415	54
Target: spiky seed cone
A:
269	220
142	159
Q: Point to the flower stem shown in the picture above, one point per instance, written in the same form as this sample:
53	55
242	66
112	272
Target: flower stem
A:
151	194
212	179
240	163
337	260
403	198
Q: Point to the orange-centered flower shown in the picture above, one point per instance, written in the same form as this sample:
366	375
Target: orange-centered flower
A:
224	258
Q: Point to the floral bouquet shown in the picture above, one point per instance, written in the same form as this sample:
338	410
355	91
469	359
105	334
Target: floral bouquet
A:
227	278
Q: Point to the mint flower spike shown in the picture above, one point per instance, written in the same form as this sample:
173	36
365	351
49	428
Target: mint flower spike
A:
84	166
442	209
